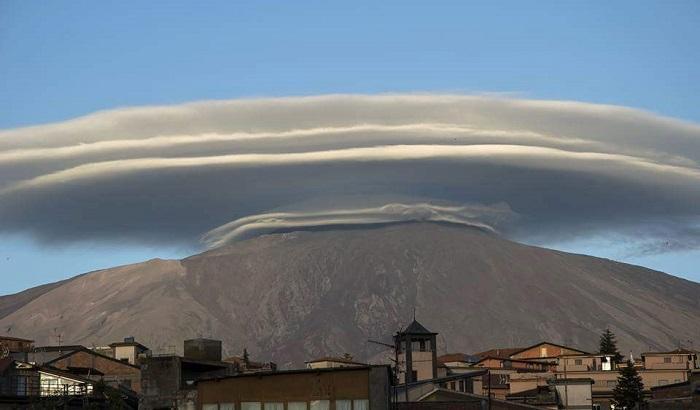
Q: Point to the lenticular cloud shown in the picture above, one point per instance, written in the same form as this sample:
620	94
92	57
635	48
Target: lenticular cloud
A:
175	173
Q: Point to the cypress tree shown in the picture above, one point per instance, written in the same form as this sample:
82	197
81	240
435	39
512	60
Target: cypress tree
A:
628	393
608	345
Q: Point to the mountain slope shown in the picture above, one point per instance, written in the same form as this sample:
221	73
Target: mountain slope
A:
289	297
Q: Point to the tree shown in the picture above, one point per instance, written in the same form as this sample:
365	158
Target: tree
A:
608	345
246	358
628	393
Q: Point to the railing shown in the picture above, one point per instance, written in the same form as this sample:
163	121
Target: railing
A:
27	386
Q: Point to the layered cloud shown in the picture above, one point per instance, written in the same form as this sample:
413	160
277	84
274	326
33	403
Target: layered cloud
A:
175	173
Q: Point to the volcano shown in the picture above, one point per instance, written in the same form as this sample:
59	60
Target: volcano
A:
289	297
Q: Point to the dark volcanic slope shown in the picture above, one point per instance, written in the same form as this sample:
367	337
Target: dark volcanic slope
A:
288	297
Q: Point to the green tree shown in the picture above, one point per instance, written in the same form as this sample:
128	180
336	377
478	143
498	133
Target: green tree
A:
608	345
628	393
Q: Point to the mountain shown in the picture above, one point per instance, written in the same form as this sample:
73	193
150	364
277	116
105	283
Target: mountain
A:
288	297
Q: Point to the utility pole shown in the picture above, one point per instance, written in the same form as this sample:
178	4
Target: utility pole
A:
396	369
566	387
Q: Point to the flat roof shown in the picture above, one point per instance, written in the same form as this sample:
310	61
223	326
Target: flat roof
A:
299	371
15	339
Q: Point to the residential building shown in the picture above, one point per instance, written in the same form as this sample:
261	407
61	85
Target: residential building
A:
677	396
128	350
95	366
15	347
337	388
429	389
457	362
679	359
544	351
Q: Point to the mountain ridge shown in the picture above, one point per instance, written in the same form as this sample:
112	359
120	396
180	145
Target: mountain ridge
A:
291	296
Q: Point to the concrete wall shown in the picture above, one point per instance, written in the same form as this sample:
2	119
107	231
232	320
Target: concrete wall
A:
125	352
203	349
160	382
575	396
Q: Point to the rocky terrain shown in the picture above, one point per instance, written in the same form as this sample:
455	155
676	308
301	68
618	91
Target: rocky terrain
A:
288	297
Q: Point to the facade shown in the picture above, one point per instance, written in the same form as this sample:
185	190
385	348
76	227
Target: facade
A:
128	351
15	347
677	396
344	388
169	381
679	359
543	351
417	353
203	349
95	366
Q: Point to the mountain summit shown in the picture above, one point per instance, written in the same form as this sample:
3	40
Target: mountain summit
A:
289	297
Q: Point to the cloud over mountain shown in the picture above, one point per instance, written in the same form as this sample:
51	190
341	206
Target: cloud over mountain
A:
175	173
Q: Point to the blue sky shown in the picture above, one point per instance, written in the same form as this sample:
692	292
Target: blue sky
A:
60	60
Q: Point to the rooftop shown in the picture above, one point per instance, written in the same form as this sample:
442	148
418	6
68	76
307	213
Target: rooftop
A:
676	351
346	360
415	328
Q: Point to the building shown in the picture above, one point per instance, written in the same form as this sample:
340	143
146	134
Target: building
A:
245	365
26	385
15	347
544	351
677	396
430	389
95	366
128	350
339	388
679	359
656	369
457	362
417	353
331	362
169	381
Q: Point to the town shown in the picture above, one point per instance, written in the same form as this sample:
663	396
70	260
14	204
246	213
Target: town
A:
126	374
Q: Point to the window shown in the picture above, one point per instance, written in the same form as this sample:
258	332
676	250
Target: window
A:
360	404
414	375
21	385
343	405
210	406
578	362
461	386
320	405
296	405
667	359
543	352
422	345
453	386
250	405
274	405
227	406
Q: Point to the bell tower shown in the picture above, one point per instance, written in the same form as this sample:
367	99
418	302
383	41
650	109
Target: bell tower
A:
416	353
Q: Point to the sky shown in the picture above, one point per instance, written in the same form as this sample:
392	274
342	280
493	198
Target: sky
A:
62	61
